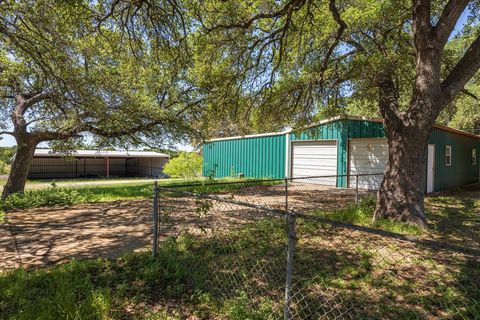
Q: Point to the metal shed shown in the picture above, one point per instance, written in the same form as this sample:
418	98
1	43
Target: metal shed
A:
342	147
48	164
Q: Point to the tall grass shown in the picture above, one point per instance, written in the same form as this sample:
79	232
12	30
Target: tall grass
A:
54	196
362	214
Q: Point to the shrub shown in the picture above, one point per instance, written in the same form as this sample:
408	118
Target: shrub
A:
44	198
3	167
187	165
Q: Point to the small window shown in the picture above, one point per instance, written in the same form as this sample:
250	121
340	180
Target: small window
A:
448	155
474	157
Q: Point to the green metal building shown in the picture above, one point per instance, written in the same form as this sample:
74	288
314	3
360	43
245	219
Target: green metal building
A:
340	148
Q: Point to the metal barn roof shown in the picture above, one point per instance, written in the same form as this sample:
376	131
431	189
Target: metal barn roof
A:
100	153
441	127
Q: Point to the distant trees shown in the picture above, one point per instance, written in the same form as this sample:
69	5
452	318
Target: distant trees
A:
6	154
3	167
186	165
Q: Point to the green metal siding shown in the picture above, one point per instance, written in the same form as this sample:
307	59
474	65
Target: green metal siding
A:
461	172
262	157
256	157
341	130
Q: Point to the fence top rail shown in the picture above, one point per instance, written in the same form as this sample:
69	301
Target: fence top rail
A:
277	212
337	176
253	181
221	183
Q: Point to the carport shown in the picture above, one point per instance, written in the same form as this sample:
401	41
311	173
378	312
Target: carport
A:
50	164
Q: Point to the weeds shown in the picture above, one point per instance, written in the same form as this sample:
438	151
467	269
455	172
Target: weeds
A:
55	196
362	214
44	198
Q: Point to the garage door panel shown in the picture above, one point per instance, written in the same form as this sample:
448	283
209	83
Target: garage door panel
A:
313	163
367	156
314	159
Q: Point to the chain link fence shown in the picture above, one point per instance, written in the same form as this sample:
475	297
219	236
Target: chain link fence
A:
288	249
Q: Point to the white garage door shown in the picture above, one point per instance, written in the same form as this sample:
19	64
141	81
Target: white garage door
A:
316	158
367	156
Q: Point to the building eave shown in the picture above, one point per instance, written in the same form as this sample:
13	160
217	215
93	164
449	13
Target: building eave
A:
333	119
99	154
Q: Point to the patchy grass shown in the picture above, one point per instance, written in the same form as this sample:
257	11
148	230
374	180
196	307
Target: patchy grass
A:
362	215
240	275
455	216
176	284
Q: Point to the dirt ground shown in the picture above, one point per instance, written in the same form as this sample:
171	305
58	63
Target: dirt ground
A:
51	235
44	236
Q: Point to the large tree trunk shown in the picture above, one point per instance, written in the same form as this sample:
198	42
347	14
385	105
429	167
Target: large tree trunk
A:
401	194
20	166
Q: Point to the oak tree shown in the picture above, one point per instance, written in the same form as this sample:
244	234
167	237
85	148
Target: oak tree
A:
75	68
289	59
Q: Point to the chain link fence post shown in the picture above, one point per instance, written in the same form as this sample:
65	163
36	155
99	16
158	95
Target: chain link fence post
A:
356	190
291	225
155	219
286	195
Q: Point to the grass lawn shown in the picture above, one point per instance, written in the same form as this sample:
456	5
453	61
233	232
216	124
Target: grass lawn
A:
240	274
50	196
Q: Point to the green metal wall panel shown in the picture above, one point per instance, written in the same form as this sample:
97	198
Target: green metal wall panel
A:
261	157
461	172
255	157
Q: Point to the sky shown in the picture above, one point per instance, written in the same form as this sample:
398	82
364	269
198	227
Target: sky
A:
7	140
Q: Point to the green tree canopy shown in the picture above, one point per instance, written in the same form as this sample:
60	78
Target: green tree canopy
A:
186	165
290	62
70	69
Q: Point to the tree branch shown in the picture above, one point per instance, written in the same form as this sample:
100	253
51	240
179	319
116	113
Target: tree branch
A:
290	6
37	98
41	136
421	23
388	99
470	94
341	28
6	132
465	69
450	15
115	134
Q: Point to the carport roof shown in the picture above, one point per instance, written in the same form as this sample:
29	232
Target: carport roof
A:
100	153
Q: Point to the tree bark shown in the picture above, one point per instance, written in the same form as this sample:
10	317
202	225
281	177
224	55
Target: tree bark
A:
401	194
20	166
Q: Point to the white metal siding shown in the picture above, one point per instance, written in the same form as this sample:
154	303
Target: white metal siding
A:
367	156
315	158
